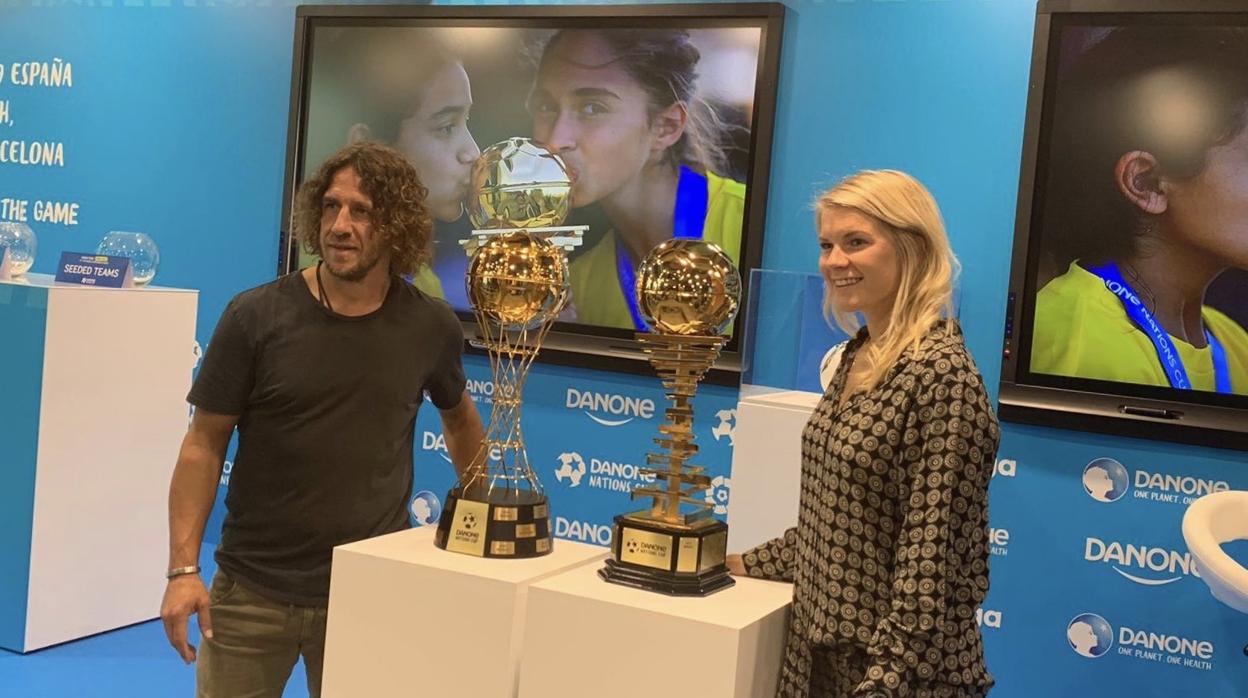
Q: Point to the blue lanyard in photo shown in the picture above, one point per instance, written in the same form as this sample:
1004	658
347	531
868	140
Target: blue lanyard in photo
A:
692	195
1167	353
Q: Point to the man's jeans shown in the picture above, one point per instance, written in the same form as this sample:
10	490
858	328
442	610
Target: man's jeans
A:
256	643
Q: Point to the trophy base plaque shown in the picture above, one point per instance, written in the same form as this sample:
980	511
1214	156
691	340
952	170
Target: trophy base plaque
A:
514	524
670	559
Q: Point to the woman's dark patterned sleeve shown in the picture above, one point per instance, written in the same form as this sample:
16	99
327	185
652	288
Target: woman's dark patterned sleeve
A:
774	559
941	572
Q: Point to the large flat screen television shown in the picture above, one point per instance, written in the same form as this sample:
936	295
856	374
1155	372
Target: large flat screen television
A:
1128	297
663	115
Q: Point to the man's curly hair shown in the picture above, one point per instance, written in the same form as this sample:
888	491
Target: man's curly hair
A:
399	217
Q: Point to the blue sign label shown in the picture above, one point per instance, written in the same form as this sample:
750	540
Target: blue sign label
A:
94	270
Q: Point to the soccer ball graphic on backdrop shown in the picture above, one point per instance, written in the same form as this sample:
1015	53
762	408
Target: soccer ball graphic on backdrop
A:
571	467
717	494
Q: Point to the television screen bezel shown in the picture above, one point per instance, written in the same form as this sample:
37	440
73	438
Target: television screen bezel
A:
1083	404
584	346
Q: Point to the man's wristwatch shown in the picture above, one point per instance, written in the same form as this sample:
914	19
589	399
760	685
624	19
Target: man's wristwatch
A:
179	571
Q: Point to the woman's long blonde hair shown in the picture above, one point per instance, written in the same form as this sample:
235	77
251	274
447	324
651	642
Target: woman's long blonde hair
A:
928	266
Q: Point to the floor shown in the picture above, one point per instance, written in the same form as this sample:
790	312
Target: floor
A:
137	662
131	662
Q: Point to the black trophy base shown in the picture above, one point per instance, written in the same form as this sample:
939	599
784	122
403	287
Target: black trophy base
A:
510	524
674	560
666	582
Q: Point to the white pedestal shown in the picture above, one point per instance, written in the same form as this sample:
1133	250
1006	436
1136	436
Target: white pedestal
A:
409	619
586	637
91	421
767	465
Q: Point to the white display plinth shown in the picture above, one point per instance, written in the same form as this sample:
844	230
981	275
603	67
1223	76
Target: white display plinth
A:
93	415
409	619
586	637
766	465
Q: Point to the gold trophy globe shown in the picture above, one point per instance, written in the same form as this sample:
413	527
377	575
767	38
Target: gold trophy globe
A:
517	184
517	283
688	291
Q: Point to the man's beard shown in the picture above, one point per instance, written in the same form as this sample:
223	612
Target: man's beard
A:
359	270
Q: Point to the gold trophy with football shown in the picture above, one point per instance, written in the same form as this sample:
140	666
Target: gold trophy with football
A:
517	283
688	291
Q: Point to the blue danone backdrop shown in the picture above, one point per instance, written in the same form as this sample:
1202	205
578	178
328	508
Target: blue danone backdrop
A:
169	117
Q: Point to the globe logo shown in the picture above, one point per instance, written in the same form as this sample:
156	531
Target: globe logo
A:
425	508
632	546
1105	480
1090	635
469	521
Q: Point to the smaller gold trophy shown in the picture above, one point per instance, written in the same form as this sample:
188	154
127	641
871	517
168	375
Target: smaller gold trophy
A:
517	283
519	185
687	291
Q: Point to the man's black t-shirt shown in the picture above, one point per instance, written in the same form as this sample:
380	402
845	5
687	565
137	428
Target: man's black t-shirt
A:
327	406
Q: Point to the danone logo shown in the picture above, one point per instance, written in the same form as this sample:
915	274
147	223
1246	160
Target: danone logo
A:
727	426
1174	489
1151	566
1150	645
636	547
603	474
425	508
583	531
481	390
608	409
998	542
430	441
987	618
469	528
1090	635
1105	480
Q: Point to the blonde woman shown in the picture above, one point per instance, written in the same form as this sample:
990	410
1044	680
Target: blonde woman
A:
889	557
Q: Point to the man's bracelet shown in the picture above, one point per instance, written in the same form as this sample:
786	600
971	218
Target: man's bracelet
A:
179	571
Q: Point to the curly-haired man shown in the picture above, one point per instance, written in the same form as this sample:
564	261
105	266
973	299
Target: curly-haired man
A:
322	372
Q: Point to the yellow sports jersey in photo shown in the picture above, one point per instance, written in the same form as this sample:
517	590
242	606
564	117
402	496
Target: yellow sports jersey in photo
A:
596	292
1081	330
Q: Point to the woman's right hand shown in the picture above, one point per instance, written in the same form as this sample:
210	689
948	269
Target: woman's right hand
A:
736	565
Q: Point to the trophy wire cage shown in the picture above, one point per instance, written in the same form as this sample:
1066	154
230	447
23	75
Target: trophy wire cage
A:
501	468
518	284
